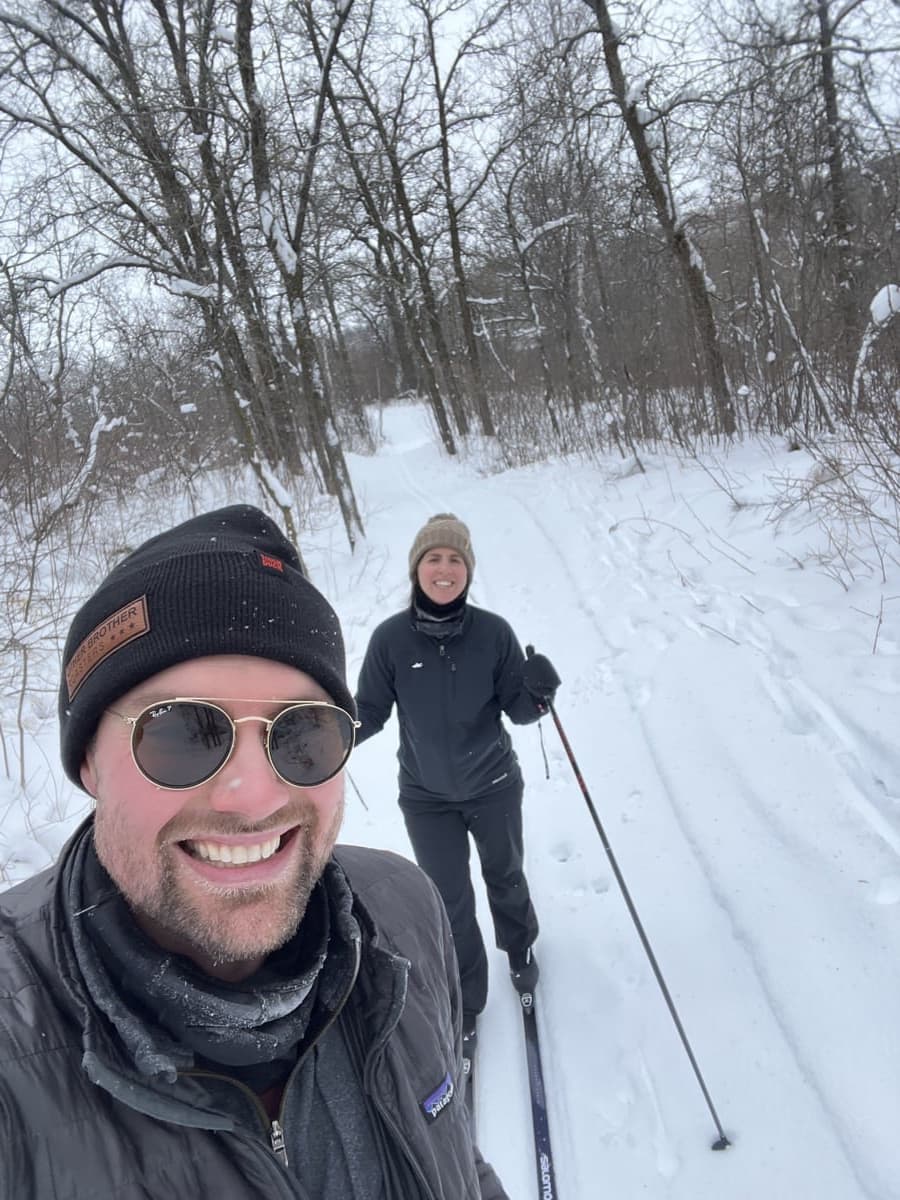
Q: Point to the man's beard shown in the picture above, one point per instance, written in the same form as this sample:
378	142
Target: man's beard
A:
214	923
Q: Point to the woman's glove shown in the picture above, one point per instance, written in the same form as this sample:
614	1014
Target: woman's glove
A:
539	676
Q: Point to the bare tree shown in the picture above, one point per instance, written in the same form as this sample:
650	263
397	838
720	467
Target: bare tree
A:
646	130
156	124
460	181
799	132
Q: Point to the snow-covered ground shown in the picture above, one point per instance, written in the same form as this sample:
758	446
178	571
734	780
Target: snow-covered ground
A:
733	704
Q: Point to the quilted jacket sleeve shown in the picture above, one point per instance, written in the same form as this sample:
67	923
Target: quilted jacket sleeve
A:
375	693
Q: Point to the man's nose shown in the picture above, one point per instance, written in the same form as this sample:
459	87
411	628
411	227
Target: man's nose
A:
247	783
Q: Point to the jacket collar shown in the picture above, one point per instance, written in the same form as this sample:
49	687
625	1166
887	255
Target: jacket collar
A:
380	984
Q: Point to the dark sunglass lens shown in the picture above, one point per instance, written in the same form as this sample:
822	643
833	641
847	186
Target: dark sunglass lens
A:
179	745
310	744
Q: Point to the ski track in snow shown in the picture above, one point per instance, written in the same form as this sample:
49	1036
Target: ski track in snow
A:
602	585
816	716
630	567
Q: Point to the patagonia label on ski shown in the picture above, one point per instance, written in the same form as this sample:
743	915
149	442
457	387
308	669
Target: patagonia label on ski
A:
435	1104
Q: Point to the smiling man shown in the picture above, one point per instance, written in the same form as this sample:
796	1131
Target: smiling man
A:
206	996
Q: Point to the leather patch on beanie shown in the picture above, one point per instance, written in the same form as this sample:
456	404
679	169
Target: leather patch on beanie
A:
115	631
270	561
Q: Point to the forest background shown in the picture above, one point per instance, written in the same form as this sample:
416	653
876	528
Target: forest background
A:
228	228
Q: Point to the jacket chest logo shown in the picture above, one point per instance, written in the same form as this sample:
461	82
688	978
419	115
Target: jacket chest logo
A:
416	666
434	1104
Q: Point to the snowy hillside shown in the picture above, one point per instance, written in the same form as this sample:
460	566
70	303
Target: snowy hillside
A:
733	704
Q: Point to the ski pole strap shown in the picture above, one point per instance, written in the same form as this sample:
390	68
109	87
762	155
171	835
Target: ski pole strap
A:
529	653
544	750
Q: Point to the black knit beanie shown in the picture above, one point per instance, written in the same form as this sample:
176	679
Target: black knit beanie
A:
226	582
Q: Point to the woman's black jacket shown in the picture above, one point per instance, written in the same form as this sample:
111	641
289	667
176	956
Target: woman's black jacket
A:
450	695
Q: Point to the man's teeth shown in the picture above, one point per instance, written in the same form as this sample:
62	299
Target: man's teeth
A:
236	856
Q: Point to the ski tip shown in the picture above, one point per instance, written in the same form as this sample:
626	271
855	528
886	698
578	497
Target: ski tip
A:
721	1143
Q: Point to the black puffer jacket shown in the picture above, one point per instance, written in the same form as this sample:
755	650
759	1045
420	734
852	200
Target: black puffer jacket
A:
78	1123
450	696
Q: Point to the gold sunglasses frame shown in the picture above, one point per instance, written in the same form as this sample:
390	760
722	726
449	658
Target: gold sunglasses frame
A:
216	703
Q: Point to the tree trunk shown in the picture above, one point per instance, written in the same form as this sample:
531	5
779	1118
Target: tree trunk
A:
685	253
840	208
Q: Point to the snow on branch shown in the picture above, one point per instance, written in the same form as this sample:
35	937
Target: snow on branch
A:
883	308
548	227
276	234
275	487
108	264
196	291
886	304
68	495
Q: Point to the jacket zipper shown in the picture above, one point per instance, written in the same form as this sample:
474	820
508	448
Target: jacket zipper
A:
276	1137
275	1129
445	704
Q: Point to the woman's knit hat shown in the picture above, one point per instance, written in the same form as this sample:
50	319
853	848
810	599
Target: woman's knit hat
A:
226	582
444	529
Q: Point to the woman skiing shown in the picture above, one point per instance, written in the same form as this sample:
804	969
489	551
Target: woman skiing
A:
452	670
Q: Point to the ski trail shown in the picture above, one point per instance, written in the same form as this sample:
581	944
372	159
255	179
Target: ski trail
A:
766	981
868	768
814	716
667	1162
502	1048
636	701
637	723
806	712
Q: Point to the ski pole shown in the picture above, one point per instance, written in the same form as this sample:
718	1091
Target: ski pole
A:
721	1142
356	789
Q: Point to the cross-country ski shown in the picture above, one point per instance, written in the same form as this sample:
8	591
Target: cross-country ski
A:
543	1149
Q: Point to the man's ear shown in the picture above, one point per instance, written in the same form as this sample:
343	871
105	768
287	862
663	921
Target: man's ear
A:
88	775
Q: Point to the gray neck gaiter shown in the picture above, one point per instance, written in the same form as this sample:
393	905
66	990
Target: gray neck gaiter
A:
168	1013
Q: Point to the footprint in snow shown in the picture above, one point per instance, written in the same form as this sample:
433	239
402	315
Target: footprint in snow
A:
642	696
886	891
562	851
628	815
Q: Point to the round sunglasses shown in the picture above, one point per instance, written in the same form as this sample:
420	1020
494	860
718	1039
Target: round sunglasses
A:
186	741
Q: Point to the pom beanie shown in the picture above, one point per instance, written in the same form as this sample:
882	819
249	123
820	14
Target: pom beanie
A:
226	582
444	529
